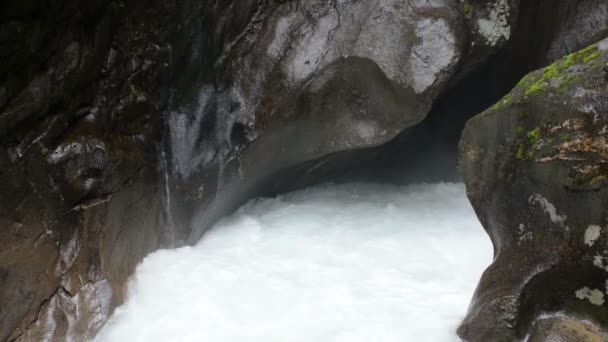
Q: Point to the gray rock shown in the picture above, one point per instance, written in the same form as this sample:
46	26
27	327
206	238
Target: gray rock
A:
78	173
580	23
535	170
304	80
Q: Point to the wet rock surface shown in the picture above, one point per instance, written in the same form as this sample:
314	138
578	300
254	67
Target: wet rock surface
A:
535	169
81	85
304	80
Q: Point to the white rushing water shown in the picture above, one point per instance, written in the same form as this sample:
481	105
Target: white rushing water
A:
344	263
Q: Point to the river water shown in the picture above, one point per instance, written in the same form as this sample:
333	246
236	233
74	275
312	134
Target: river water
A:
333	263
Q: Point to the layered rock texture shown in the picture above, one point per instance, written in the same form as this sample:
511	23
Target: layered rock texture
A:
81	101
128	126
536	169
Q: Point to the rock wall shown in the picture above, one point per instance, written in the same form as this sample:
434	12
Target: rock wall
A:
350	75
81	101
535	168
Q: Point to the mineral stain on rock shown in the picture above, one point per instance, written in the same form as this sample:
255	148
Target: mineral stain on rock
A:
595	296
591	234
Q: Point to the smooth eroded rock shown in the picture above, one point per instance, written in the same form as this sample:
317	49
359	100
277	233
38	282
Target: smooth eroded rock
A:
535	166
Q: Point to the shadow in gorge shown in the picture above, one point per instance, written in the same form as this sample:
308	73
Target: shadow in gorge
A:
427	152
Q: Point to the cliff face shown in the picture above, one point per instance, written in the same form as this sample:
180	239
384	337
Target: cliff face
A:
81	96
302	80
130	126
535	167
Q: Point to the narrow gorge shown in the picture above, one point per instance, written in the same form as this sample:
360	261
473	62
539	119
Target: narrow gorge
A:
132	127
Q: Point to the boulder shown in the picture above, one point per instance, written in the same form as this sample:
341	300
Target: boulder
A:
535	166
302	80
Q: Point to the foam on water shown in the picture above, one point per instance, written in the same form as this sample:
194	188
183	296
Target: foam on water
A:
332	263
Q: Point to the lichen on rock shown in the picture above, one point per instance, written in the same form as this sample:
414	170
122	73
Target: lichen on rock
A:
495	27
552	182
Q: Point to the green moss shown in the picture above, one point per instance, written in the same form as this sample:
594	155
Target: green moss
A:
521	152
526	81
591	57
536	89
534	136
583	56
503	103
535	86
565	138
467	9
551	72
525	149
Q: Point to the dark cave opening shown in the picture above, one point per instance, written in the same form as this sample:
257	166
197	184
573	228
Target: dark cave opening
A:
424	153
428	152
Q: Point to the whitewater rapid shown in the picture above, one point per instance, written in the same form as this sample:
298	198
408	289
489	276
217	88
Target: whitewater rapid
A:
333	263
